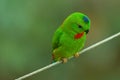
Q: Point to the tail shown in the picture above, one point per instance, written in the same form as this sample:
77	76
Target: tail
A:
53	59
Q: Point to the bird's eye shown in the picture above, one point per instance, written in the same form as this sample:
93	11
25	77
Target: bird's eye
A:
79	26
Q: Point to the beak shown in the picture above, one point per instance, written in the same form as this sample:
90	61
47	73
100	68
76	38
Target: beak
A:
87	31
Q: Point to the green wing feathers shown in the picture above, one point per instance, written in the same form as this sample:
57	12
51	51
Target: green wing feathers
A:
56	39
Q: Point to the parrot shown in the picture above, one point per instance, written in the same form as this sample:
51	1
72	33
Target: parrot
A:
70	37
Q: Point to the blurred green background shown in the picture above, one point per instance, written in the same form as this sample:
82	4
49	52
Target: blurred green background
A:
26	30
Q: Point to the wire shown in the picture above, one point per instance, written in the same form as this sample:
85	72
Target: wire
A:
58	62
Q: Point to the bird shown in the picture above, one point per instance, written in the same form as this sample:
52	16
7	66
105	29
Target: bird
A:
70	37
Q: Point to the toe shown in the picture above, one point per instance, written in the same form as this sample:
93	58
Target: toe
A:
76	55
64	60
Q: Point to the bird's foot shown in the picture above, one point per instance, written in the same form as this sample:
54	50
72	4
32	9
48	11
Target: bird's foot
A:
76	55
64	60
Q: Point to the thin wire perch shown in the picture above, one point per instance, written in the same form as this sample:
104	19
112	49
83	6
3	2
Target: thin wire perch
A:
58	62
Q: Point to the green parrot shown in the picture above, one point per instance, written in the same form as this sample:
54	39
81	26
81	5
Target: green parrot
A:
70	37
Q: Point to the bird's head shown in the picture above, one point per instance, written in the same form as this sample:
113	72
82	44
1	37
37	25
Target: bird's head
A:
77	22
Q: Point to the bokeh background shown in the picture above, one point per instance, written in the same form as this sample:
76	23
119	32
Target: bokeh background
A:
26	30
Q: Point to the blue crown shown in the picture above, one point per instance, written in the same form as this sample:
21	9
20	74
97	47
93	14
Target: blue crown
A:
86	20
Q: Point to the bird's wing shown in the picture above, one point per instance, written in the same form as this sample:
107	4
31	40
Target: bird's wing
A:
56	38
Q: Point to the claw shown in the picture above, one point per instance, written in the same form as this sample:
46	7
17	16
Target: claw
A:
76	55
64	60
